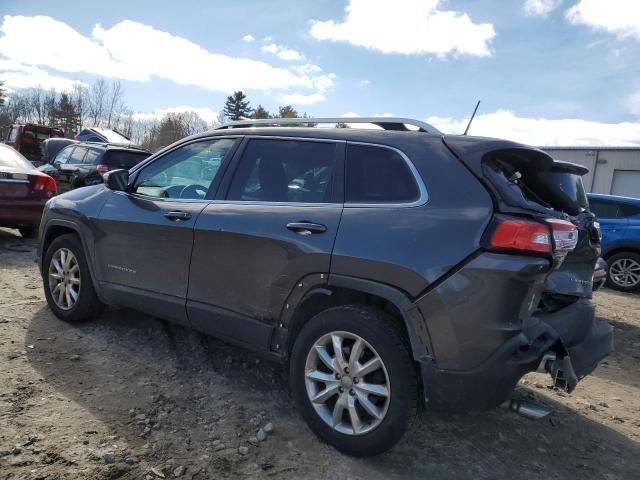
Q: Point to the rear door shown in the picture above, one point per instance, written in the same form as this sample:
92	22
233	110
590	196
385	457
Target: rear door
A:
145	236
276	224
612	225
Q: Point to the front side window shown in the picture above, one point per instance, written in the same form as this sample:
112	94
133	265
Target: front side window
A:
186	172
628	211
378	175
286	171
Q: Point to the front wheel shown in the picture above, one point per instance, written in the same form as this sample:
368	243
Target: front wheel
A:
67	282
624	271
354	380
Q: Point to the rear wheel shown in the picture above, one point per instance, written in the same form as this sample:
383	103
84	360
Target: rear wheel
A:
354	380
67	282
624	271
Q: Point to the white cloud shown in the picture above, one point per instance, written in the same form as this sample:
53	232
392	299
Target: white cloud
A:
204	113
306	69
350	115
300	98
285	53
18	76
633	103
540	7
544	132
383	114
364	83
407	27
133	51
618	17
248	38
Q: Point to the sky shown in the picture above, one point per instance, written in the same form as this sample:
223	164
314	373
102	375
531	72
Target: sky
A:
548	72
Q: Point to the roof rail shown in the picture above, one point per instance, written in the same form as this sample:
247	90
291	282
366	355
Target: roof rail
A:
386	123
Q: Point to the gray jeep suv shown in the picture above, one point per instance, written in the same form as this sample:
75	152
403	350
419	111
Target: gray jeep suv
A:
388	267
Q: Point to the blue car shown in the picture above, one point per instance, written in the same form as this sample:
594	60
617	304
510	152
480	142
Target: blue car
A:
619	219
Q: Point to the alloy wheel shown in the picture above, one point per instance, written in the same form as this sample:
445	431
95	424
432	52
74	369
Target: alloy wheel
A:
625	272
64	279
347	383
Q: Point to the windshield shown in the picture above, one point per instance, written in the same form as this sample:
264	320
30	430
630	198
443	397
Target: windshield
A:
11	158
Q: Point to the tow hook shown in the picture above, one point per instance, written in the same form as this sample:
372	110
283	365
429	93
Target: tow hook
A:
528	410
561	371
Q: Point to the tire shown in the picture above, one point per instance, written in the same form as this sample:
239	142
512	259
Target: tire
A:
28	232
86	304
378	337
623	273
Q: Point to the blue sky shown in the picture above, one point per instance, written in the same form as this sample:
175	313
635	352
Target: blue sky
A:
547	71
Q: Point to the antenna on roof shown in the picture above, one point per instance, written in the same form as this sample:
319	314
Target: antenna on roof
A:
466	130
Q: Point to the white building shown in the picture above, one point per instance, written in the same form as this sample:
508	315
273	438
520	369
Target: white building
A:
612	170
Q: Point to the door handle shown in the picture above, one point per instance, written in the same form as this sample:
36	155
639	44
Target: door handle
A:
178	215
306	228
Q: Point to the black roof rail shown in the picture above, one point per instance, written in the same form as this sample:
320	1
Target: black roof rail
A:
386	123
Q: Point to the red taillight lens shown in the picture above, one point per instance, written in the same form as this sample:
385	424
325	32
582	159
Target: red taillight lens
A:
102	168
44	184
521	235
565	234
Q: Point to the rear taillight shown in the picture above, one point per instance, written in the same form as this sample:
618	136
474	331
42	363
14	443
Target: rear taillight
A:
565	234
516	234
520	235
102	168
43	184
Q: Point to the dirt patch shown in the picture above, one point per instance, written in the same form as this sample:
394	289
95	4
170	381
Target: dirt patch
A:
132	397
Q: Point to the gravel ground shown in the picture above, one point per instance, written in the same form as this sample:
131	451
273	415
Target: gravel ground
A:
132	397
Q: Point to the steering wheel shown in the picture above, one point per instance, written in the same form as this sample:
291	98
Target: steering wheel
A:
193	191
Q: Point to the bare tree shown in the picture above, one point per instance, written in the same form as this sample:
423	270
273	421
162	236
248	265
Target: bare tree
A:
114	102
97	99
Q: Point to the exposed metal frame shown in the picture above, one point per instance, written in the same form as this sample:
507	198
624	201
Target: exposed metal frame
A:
386	123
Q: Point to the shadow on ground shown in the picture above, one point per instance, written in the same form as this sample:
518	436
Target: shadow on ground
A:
200	393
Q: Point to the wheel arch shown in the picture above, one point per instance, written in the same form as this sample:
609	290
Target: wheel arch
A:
620	249
343	290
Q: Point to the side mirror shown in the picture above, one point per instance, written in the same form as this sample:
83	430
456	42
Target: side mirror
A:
117	180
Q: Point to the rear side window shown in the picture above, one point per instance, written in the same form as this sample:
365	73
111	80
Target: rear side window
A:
13	134
77	155
378	175
123	158
286	171
603	209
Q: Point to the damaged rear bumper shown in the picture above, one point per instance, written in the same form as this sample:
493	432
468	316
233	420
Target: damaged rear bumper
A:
496	353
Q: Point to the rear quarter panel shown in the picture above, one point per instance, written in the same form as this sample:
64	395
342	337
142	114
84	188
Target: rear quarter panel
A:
412	247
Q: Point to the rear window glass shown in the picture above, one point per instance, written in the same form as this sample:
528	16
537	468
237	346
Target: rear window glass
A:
378	175
123	158
10	158
603	209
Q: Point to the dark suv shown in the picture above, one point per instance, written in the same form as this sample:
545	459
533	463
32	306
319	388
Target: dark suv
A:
386	266
83	164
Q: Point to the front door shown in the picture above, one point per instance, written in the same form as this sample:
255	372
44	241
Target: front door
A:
145	235
277	224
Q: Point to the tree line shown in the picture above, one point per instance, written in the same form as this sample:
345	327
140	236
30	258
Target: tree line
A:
102	104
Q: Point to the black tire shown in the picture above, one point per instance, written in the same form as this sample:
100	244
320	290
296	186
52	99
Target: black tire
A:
87	305
380	332
613	262
28	232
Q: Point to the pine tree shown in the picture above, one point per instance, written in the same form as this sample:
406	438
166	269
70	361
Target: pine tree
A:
287	111
261	112
67	116
237	107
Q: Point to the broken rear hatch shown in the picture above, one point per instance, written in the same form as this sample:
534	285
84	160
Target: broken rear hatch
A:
527	183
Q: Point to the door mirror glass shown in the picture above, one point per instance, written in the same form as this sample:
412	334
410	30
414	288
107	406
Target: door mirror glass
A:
117	180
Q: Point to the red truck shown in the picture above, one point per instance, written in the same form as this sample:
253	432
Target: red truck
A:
27	139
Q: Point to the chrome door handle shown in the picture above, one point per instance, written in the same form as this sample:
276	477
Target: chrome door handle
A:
178	215
306	228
